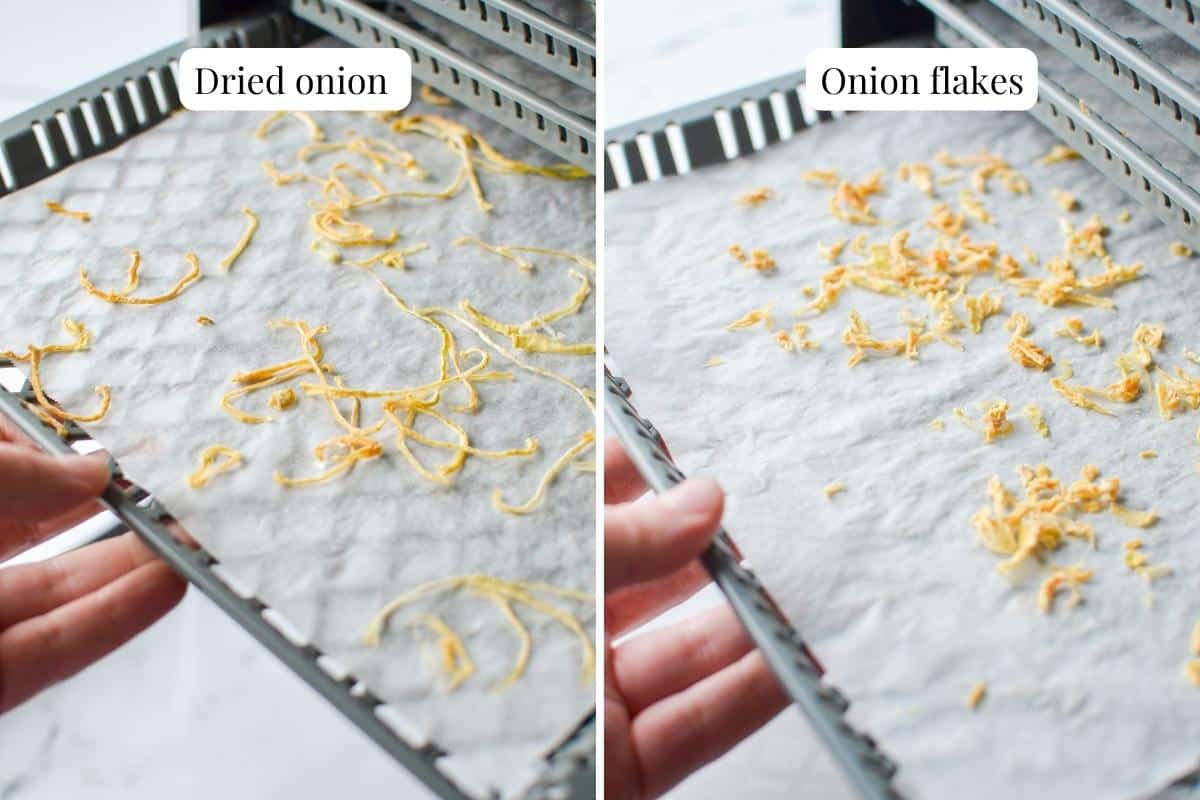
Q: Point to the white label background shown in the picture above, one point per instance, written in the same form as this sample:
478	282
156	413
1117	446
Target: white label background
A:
920	62
394	64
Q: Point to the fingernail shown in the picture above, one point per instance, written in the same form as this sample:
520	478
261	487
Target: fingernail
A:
91	470
694	495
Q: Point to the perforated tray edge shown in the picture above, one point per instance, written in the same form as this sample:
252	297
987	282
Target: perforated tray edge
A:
1139	174
539	120
1178	16
1118	64
699	138
639	151
522	29
62	119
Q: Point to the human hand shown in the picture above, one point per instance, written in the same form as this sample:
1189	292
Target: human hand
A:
60	615
676	699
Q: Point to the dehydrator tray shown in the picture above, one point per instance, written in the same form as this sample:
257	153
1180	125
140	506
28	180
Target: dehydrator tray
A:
1105	103
1105	113
298	568
886	581
1143	62
537	38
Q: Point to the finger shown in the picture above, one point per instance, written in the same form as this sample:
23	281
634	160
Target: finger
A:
70	517
34	485
42	651
644	541
660	664
622	775
17	536
40	530
622	481
627	608
31	590
682	733
10	433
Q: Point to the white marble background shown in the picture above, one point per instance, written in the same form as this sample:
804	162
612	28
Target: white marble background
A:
668	53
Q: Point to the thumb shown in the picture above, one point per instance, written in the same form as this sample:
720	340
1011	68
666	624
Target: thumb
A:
651	539
34	485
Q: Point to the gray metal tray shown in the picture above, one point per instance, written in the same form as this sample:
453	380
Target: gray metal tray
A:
108	111
1138	172
1122	65
142	514
707	132
542	121
95	118
1178	16
739	123
528	32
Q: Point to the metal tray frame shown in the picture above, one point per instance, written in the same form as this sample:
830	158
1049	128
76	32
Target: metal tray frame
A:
706	132
120	105
1142	176
529	33
542	121
141	513
1181	17
56	134
1120	65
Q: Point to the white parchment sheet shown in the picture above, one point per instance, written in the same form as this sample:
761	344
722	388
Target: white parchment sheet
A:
329	556
887	580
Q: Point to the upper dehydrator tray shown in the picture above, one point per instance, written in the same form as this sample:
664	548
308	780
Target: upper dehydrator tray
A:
560	40
540	119
1177	16
326	558
886	581
1129	52
1150	166
1134	113
513	66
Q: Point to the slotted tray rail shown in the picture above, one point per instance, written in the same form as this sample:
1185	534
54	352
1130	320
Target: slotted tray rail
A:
531	34
106	112
1119	64
1118	157
542	121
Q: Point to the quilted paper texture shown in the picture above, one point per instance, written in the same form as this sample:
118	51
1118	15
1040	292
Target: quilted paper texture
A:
329	556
